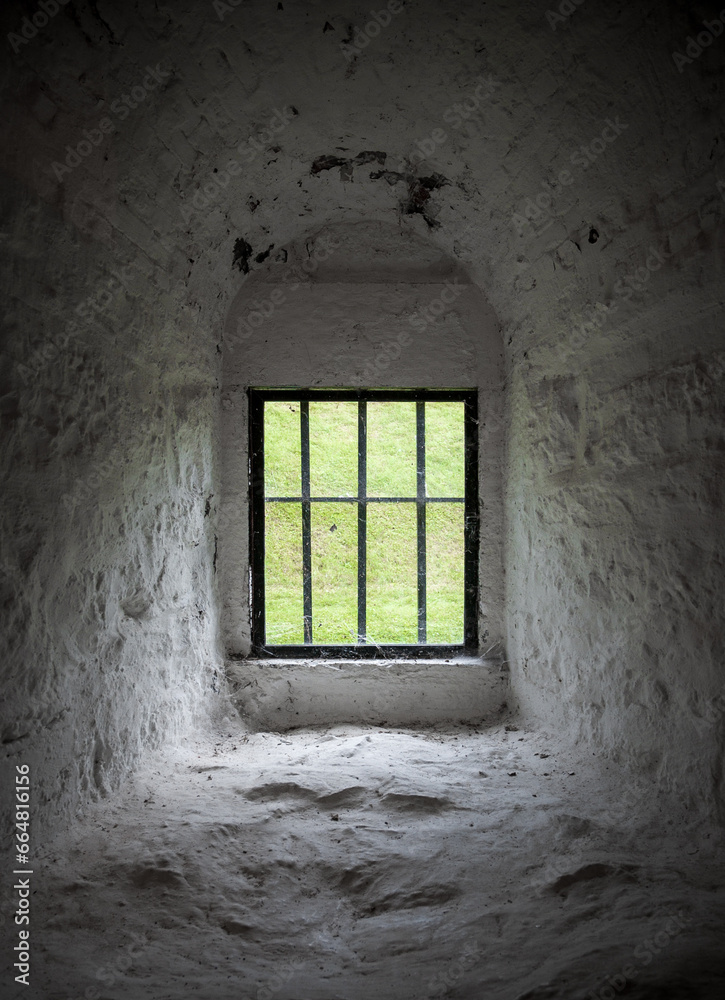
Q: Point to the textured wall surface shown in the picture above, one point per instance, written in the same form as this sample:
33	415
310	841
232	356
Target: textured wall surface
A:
107	582
110	419
619	530
570	166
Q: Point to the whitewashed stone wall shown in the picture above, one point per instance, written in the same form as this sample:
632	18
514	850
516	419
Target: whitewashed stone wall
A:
452	125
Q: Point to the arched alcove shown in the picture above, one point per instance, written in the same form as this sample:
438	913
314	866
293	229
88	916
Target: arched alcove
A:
363	306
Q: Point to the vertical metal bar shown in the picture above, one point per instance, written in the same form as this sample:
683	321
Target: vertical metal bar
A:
362	519
420	506
471	534
257	514
306	522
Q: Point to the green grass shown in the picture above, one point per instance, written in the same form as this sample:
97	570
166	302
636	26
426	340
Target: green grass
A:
391	538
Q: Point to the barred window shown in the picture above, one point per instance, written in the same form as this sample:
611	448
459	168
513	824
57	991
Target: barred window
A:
364	522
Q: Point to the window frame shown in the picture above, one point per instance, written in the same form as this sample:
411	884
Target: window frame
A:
257	396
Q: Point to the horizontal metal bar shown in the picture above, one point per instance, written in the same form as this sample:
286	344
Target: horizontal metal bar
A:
365	499
364	652
368	395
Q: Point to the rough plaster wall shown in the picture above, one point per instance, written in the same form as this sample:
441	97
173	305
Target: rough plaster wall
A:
577	401
348	323
620	529
108	463
615	499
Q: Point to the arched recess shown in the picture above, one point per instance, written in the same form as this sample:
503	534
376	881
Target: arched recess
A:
357	305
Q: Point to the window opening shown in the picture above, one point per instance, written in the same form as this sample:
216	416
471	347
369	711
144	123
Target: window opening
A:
364	522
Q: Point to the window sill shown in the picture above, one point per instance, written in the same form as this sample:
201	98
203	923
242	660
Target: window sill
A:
284	694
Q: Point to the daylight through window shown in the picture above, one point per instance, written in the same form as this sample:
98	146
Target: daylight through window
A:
364	520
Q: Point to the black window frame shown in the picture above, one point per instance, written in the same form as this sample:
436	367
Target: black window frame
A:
469	647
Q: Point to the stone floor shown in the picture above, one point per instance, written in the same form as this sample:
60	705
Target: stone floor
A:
359	862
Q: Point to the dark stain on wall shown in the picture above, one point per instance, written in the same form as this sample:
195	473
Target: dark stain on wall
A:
242	253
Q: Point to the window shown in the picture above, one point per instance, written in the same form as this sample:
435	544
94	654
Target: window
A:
364	522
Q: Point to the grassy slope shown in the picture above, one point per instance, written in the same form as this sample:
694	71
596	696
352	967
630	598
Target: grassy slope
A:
391	548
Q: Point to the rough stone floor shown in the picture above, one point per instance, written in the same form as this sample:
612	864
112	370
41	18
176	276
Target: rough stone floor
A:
361	862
